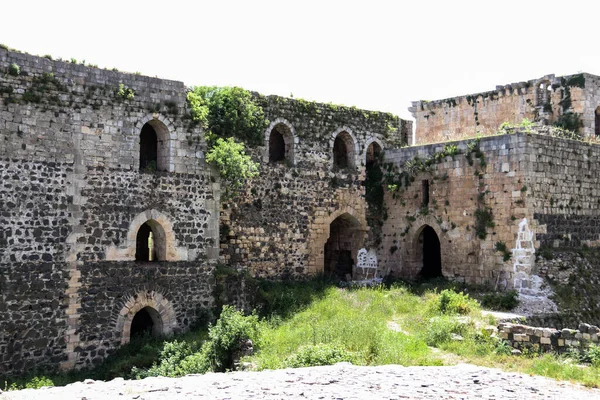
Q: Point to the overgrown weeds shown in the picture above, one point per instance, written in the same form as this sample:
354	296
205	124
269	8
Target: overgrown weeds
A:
317	323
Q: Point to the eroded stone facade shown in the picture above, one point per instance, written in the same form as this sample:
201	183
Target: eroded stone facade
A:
111	219
545	100
280	224
73	198
95	164
549	181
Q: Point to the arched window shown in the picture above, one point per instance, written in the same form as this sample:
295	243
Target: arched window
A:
150	242
543	93
154	140
343	151
281	143
276	146
373	153
597	122
148	149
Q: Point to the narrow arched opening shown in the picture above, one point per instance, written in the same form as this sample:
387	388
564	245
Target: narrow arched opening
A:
146	322
343	151
154	146
341	248
148	149
373	154
543	94
597	122
150	242
280	143
276	146
430	251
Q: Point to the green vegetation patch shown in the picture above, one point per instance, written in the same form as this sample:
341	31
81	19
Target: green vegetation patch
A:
316	323
231	119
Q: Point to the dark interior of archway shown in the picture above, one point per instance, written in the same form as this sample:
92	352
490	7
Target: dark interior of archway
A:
373	152
340	153
148	148
338	249
142	250
597	122
276	146
142	324
432	256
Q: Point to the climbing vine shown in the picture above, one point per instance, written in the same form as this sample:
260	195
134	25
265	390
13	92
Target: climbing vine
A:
374	192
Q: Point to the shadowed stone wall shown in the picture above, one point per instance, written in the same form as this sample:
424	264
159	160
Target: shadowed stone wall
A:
73	198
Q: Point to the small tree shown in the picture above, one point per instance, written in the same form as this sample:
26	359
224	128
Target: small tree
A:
227	114
234	165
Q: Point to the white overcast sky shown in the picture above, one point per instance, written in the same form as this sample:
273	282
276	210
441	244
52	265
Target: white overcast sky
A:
373	54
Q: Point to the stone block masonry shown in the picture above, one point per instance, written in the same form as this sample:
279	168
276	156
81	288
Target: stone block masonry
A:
546	100
113	292
74	197
281	224
112	223
545	179
104	184
548	339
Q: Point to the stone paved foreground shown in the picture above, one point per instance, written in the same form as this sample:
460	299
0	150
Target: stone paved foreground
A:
342	381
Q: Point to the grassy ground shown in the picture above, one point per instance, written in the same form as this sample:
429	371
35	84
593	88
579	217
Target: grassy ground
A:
316	323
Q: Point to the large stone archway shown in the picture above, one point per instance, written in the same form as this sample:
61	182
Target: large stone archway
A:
350	227
158	308
346	236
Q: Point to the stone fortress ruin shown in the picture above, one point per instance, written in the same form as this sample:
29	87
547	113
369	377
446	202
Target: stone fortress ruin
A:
96	165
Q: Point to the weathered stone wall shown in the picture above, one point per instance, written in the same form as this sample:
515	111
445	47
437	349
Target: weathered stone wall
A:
182	292
565	191
35	215
33	315
483	113
73	198
280	224
550	181
459	185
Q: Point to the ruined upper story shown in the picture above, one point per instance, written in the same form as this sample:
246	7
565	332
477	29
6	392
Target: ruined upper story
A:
59	111
88	136
573	100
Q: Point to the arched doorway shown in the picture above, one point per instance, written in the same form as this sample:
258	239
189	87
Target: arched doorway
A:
145	322
430	251
146	312
150	242
341	248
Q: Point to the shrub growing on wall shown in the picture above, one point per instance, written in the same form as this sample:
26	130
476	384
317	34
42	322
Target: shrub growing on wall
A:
228	112
230	118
